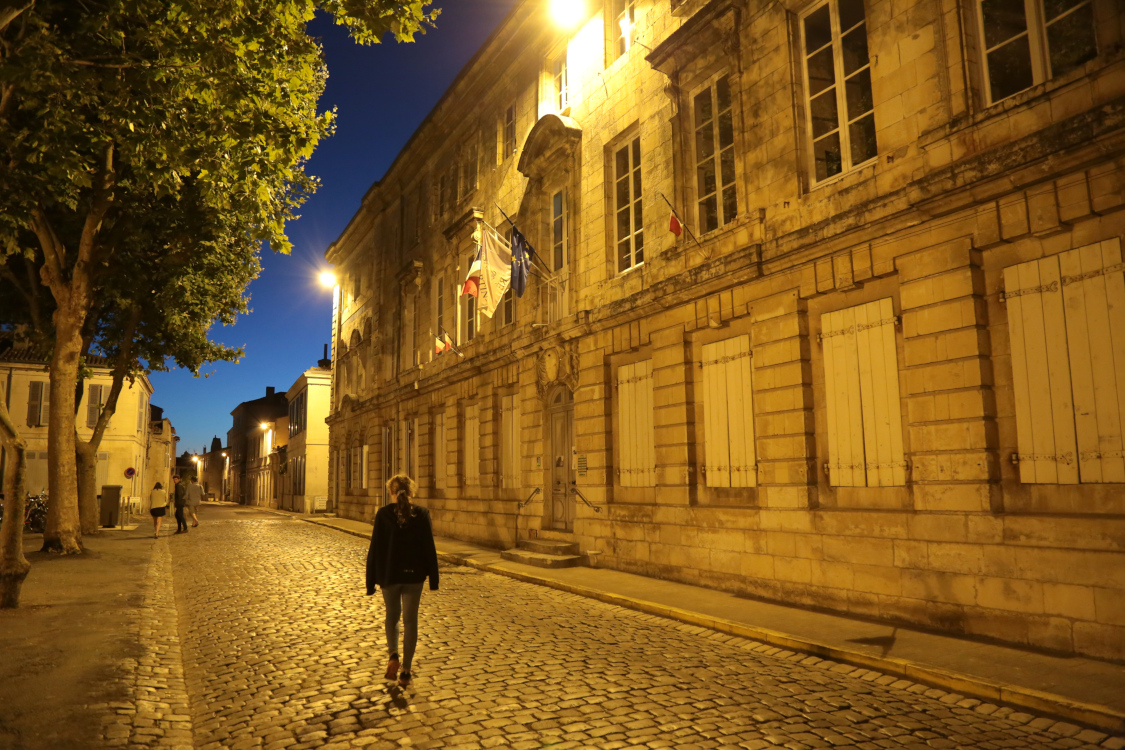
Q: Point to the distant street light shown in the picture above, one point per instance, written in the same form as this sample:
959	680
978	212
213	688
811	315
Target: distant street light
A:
327	279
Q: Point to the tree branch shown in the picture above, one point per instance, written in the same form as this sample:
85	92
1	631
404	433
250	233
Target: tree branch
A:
54	254
11	13
121	367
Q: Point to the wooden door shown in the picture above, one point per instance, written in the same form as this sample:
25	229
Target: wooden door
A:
561	457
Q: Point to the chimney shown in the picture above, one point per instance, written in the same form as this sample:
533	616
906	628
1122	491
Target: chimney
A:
325	363
269	391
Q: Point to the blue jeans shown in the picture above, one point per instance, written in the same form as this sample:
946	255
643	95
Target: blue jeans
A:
402	600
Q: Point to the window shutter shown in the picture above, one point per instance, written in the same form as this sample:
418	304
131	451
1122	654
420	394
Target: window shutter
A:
841	386
510	439
440	458
34	402
472	444
879	394
363	467
1045	426
638	440
1093	292
93	405
728	414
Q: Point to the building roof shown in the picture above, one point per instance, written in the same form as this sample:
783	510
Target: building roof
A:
17	351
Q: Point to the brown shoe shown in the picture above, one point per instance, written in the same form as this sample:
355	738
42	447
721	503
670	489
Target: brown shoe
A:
392	669
404	679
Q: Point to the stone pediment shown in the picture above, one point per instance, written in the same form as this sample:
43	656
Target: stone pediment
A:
714	26
553	140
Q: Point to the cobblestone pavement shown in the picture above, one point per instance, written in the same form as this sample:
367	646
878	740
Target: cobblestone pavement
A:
282	649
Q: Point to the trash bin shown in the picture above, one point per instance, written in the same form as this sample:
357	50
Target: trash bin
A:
111	504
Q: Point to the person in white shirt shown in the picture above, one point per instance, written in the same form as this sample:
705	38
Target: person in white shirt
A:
194	499
157	507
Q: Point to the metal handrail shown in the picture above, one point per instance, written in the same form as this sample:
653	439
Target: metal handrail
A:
530	497
588	503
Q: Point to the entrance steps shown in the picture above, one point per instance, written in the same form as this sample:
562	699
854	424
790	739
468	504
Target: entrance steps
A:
544	553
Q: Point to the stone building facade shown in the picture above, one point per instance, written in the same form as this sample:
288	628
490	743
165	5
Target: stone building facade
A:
884	371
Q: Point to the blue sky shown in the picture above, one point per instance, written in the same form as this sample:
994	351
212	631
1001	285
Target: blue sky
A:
381	94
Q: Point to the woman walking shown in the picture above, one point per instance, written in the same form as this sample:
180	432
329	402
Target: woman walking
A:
180	501
157	507
401	557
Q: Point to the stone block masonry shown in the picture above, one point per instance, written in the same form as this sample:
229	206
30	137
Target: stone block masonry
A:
911	508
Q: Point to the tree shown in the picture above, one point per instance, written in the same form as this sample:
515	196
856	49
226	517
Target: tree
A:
13	565
110	106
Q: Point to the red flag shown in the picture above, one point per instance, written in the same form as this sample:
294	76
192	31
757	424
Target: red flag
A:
472	281
674	226
439	345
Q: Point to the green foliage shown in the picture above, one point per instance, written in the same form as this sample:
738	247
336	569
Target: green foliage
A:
190	123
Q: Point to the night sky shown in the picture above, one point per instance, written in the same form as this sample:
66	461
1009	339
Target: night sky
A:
381	93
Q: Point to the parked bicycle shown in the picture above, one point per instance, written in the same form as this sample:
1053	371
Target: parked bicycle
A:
34	514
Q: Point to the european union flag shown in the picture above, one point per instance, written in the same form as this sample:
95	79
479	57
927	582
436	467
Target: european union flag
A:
521	261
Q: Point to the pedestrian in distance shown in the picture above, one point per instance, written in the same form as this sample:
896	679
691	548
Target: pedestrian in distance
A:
194	499
401	557
180	501
157	507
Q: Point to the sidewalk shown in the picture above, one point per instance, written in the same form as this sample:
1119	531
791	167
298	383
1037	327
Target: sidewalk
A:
1073	688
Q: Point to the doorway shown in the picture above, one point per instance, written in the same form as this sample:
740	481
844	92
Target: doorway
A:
560	419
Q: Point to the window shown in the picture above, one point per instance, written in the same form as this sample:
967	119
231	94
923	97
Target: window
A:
410	232
443	193
839	105
347	459
357	282
441	459
728	414
627	201
558	231
469	170
95	401
625	12
363	467
472	445
1066	323
509	140
862	396
637	437
298	413
558	74
439	307
714	155
508	308
142	411
468	311
1029	41
510	441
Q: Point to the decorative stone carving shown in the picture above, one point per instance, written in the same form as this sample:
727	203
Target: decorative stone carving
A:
557	364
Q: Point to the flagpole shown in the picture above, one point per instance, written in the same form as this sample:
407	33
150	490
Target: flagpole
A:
682	222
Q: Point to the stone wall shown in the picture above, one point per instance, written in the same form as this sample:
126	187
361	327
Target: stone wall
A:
959	192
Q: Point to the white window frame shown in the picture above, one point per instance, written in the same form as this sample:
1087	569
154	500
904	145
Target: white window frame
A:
843	121
634	204
1038	47
559	78
508	131
623	35
712	86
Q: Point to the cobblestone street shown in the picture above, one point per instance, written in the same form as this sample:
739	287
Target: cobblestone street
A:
282	649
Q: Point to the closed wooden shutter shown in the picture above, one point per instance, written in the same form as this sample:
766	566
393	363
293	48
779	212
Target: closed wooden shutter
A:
363	467
472	444
637	442
93	405
510	440
728	414
864	411
441	465
1066	320
34	402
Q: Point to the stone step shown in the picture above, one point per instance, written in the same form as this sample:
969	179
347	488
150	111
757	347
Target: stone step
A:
549	546
539	560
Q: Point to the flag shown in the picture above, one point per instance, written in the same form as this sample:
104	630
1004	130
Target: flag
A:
521	261
495	271
674	226
472	281
439	345
446	339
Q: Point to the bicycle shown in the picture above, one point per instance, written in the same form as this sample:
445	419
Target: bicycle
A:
34	514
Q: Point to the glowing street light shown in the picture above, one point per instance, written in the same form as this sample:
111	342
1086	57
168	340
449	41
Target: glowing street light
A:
567	14
264	425
327	279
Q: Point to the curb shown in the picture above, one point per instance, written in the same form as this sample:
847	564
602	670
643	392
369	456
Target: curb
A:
1089	714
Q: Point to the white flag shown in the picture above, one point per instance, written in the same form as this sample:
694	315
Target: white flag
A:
495	271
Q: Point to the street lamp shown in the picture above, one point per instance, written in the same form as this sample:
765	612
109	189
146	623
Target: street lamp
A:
327	279
567	14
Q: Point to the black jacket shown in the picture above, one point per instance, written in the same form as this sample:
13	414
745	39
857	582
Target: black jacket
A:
401	554
180	495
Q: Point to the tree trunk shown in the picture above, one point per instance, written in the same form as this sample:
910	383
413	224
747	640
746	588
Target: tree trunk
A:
63	534
13	565
89	513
